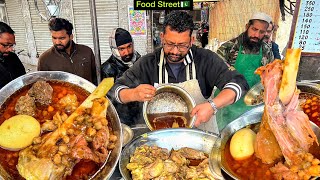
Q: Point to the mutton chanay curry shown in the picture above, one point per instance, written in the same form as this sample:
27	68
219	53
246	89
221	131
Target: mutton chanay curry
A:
74	141
285	146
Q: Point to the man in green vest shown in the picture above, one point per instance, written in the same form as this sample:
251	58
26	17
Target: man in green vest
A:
246	53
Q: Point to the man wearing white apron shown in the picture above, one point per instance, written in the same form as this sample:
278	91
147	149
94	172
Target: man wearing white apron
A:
195	69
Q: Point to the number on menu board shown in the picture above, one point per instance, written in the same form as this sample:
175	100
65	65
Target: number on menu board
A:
306	35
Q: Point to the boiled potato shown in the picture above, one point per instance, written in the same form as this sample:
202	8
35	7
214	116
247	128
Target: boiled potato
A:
242	144
18	132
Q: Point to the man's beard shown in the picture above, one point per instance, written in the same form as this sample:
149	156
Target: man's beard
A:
251	45
62	48
127	58
266	38
174	57
2	57
4	54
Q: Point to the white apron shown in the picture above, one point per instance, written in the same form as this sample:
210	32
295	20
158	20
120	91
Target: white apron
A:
191	86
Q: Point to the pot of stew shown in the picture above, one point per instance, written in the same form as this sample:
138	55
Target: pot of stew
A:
88	149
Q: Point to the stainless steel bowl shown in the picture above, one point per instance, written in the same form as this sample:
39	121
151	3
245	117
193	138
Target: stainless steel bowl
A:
106	171
169	98
255	91
167	138
217	160
252	95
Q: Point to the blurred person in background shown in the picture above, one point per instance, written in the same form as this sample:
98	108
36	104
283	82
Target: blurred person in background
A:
10	64
122	58
123	54
65	55
246	53
268	39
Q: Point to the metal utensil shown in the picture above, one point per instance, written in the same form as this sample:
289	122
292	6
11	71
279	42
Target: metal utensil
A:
127	134
217	160
253	96
167	138
169	98
106	171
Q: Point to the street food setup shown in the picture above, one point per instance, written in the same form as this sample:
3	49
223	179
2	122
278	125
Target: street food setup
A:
75	134
80	132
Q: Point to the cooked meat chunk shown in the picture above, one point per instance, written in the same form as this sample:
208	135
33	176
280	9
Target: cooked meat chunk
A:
25	105
69	102
41	91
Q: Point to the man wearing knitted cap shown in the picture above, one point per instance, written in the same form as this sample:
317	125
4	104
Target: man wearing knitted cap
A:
122	58
123	54
246	53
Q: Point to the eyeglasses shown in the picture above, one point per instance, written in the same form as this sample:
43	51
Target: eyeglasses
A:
180	47
7	46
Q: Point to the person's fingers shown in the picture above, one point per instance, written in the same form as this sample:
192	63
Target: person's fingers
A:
197	123
194	111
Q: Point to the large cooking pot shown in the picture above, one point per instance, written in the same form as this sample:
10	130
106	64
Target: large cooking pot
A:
217	161
167	138
107	169
169	98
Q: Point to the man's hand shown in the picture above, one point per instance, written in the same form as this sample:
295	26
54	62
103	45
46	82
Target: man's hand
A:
143	92
203	112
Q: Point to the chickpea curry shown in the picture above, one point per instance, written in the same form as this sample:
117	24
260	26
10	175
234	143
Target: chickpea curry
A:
80	152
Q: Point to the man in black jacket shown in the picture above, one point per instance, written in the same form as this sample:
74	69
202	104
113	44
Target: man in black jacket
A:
178	61
123	54
10	64
122	58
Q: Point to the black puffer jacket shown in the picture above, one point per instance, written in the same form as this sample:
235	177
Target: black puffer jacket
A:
10	68
114	67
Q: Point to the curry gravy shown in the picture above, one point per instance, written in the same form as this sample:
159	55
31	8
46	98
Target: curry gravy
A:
9	159
168	120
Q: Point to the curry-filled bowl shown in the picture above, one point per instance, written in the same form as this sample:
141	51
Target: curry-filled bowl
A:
169	108
309	98
224	164
76	154
161	142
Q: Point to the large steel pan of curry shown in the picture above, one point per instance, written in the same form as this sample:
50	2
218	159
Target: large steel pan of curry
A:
217	161
167	138
106	170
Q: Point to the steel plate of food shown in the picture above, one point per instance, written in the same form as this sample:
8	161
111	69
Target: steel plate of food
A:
168	154
67	128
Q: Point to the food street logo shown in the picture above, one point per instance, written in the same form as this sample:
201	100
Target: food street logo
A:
163	5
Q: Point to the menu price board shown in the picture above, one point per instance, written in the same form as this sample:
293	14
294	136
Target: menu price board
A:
305	30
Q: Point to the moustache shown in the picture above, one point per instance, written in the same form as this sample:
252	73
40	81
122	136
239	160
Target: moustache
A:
56	45
172	54
254	38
